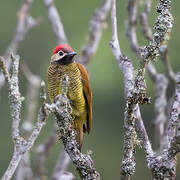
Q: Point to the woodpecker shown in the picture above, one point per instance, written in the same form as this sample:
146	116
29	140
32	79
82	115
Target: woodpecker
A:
79	92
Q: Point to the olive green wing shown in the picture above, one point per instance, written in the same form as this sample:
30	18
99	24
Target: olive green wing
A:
88	96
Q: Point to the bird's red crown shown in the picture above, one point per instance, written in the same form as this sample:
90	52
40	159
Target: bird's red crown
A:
63	47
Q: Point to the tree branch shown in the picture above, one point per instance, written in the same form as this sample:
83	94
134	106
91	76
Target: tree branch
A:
128	161
96	26
41	154
165	59
83	163
60	169
161	84
173	124
21	145
160	80
55	20
24	24
24	170
144	20
138	95
163	166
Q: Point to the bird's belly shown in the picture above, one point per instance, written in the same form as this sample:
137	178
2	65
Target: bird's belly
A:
75	95
77	99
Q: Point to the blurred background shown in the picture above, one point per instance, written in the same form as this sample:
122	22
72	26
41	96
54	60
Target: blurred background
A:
106	137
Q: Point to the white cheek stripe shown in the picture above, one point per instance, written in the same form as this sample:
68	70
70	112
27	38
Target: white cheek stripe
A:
63	55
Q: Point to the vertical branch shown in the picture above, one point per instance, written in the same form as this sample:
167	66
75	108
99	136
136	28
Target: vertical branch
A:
83	163
158	79
61	166
132	21
173	124
21	145
144	20
41	154
132	111
34	82
24	169
163	27
96	26
128	161
15	107
137	96
163	165
165	59
161	84
55	20
15	97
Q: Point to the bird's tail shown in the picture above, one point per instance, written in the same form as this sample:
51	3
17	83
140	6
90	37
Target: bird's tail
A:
79	130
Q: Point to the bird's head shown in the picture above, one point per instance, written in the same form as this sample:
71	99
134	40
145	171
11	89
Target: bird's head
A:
63	54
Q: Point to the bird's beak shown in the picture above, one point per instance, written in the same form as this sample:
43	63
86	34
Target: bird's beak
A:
71	54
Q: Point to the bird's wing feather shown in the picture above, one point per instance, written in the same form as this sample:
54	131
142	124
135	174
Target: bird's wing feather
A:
88	96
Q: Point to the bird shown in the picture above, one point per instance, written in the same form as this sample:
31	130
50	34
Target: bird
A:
62	63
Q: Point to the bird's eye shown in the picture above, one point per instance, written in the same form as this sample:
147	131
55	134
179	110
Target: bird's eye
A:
61	53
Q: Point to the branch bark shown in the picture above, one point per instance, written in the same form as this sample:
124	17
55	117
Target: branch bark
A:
128	161
161	98
82	162
163	26
24	170
55	20
21	145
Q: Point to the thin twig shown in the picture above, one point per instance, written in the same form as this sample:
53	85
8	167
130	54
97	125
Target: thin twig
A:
24	24
148	35
161	84
96	26
165	59
61	166
41	154
55	20
24	170
144	20
34	82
